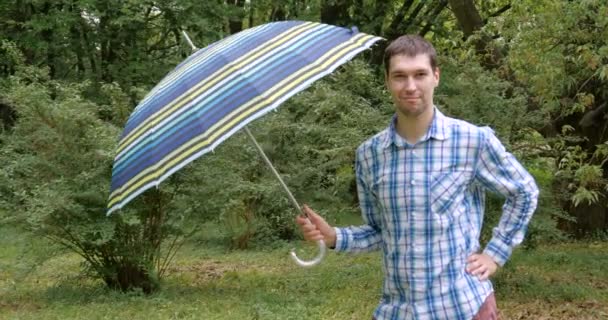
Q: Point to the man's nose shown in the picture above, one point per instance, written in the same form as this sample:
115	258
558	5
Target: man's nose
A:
410	84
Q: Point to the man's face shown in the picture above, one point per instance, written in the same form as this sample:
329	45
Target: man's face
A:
412	81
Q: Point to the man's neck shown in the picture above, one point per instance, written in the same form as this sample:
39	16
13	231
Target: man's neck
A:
413	128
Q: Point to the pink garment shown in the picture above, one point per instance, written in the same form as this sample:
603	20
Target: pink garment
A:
488	310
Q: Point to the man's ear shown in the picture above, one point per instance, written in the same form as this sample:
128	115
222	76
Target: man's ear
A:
437	74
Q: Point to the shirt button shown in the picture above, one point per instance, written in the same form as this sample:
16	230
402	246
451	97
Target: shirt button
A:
413	182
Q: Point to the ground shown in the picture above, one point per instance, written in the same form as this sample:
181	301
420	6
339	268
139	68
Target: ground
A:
565	281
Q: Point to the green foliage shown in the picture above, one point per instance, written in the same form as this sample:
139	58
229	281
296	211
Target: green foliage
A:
543	228
469	92
131	42
566	81
57	166
10	57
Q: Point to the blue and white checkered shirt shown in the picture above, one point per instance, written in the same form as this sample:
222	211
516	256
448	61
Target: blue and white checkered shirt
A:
423	205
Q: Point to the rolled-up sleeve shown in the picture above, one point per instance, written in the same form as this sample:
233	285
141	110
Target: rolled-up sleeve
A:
499	171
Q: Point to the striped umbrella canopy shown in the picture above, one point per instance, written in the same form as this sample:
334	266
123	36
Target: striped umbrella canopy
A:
217	91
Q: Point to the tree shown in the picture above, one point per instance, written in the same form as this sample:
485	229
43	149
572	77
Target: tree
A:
471	22
566	97
57	161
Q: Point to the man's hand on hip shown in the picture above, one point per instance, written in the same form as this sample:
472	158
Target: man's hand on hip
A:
481	265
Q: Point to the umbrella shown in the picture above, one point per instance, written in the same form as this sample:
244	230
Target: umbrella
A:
217	91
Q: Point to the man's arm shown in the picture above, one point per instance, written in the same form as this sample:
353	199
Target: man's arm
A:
366	237
499	171
350	239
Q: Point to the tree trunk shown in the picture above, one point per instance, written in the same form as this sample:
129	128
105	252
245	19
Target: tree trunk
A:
108	56
393	31
278	13
129	276
335	12
22	13
397	28
87	45
470	21
590	219
48	35
235	22
8	116
77	42
467	15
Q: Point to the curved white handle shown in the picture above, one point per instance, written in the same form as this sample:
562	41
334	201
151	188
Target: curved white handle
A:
312	262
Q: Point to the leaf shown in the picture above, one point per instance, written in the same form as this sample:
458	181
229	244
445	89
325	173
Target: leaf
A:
567	128
589	174
583	194
604	72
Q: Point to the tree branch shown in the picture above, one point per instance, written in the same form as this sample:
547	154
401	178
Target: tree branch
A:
436	12
497	13
394	26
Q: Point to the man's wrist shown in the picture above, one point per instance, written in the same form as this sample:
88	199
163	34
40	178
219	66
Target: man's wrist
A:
330	240
338	239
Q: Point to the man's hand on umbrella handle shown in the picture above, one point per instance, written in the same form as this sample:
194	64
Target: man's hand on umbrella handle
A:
316	228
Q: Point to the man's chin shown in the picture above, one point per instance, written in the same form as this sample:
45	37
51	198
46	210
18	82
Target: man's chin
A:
411	111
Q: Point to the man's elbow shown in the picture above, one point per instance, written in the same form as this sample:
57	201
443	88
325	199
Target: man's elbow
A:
530	194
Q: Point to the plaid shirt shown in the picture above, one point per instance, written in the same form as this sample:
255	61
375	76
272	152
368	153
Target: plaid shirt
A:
423	205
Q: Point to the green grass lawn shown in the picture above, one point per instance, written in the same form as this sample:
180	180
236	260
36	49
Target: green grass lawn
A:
568	281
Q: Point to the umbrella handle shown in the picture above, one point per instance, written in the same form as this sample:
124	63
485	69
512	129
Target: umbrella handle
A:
312	262
321	243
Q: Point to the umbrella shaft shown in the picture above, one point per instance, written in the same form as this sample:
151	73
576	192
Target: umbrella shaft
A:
194	48
289	194
255	142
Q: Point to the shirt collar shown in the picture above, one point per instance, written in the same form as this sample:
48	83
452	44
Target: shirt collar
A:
438	130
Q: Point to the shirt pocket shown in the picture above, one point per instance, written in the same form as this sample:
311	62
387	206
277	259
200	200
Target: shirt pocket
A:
447	192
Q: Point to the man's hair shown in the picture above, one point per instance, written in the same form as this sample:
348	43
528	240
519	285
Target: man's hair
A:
411	46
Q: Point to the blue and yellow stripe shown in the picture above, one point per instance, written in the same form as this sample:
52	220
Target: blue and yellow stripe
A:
220	89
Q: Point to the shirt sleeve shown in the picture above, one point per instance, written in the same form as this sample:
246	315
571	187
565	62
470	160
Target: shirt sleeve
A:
366	237
499	171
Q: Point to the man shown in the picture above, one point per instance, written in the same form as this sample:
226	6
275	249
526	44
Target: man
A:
421	188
